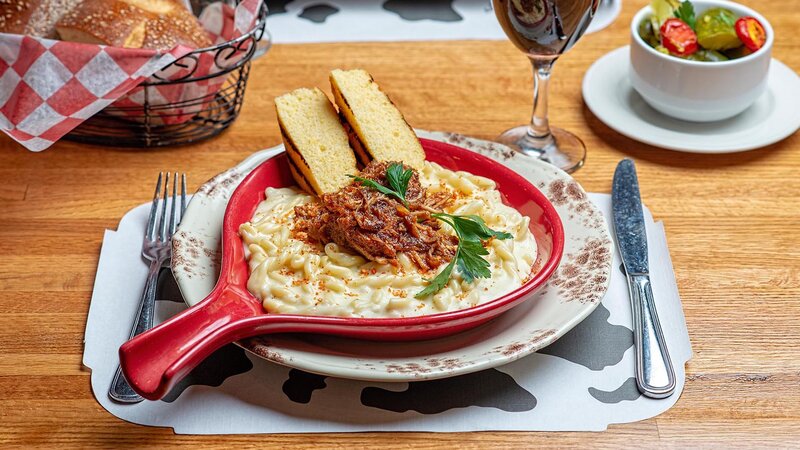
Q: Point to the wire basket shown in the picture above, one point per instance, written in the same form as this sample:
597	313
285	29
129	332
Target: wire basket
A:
156	123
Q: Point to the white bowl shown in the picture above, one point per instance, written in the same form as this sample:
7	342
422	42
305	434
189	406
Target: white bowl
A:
699	91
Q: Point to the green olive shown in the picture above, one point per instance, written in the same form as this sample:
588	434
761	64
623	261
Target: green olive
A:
715	29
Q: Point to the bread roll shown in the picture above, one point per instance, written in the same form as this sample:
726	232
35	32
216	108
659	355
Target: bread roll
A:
35	18
148	24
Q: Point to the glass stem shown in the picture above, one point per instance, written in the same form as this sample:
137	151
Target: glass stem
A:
539	130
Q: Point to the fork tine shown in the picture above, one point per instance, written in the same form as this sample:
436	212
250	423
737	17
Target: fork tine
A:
173	220
149	233
162	224
183	195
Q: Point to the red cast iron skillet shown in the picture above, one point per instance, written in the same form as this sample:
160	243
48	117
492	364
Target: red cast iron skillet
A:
156	360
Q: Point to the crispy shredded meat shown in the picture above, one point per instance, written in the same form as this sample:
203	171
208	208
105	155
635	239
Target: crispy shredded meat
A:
379	226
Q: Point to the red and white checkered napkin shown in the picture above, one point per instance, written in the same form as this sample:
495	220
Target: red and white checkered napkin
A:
49	87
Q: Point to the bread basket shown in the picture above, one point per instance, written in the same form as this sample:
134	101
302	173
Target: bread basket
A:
210	83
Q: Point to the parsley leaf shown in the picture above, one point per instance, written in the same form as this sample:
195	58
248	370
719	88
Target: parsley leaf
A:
471	263
398	180
440	281
685	12
473	228
471	231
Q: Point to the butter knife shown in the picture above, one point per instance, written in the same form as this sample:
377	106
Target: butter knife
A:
655	376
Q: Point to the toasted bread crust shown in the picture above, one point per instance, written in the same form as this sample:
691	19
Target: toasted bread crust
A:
301	172
359	149
302	182
15	15
149	24
35	18
412	153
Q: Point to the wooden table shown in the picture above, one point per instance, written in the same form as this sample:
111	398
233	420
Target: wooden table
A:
731	221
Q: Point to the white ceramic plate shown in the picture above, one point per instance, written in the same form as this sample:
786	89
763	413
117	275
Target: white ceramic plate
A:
608	93
572	293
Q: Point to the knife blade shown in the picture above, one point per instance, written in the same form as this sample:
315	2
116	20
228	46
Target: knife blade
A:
655	376
629	218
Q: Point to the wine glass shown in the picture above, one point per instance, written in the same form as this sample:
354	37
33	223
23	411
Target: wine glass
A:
544	30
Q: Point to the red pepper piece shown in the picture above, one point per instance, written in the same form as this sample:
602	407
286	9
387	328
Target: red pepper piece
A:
751	32
678	37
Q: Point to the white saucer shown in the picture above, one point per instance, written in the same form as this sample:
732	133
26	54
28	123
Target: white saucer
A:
609	95
606	14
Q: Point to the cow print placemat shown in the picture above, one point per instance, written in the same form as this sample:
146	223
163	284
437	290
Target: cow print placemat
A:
583	381
296	21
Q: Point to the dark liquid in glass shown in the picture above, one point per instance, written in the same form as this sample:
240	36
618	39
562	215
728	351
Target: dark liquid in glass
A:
544	29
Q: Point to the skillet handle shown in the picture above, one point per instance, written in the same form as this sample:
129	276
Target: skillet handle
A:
154	361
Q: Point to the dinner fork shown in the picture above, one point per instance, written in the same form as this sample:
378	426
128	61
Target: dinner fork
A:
157	249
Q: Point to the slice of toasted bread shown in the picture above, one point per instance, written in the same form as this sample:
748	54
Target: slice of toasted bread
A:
376	124
361	153
302	182
315	141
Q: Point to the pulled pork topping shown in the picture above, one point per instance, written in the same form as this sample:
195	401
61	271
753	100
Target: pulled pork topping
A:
378	226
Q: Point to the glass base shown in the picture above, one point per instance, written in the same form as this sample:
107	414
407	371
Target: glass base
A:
561	148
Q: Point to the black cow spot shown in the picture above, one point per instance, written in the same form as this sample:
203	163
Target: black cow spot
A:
488	388
628	391
441	10
277	6
318	13
301	385
594	343
226	362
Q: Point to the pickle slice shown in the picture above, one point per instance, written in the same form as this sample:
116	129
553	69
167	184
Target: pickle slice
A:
715	29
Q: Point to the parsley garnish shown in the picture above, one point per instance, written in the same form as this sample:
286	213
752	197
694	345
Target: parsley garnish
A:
473	228
685	12
438	283
471	231
398	179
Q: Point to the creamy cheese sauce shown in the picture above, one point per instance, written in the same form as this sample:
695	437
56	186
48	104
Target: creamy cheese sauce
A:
292	276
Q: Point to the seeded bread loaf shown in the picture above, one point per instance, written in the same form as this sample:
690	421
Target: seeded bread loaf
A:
148	24
376	127
35	18
320	156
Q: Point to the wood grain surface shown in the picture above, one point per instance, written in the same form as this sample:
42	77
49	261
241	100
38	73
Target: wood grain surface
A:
732	224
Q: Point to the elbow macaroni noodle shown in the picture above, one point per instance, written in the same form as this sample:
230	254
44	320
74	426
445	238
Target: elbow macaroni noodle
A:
294	277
